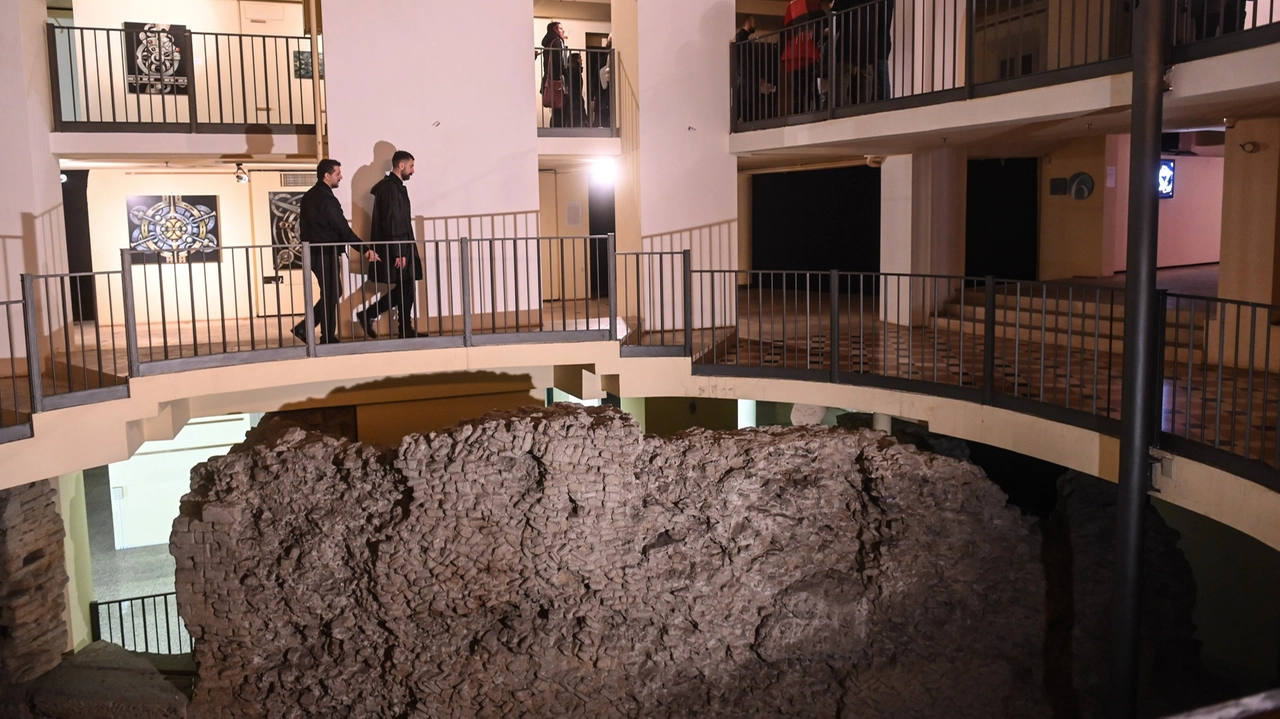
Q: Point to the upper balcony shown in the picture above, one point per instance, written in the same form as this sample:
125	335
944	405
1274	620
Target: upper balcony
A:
884	56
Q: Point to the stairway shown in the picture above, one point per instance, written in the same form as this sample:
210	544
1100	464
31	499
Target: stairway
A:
1083	318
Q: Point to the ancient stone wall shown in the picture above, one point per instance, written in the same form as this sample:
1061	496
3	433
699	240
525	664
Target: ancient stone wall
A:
33	577
558	563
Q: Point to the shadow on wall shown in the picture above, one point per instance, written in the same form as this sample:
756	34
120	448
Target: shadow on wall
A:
41	248
258	141
363	181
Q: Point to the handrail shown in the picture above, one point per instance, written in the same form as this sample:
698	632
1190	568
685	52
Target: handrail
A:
1048	349
129	623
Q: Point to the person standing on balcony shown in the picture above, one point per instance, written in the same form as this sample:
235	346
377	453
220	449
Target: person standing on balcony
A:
801	59
395	260
322	224
576	106
555	62
863	42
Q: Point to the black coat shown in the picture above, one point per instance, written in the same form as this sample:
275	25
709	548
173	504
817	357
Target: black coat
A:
392	223
321	222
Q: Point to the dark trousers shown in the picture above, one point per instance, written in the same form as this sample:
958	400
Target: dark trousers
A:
326	265
402	296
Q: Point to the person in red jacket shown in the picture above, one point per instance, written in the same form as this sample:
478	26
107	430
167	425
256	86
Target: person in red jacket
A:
800	55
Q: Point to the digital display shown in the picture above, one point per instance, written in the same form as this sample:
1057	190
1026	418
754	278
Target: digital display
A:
1164	179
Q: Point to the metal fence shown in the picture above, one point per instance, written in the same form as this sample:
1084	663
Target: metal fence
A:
73	327
142	624
15	395
576	95
1046	348
162	79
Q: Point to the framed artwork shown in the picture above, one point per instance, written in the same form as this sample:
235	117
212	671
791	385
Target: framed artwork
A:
174	229
286	246
302	69
155	63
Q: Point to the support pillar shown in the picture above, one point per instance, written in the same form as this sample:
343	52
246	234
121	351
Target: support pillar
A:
1250	264
922	225
1140	408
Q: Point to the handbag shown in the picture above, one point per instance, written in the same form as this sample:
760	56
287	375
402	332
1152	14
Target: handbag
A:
553	93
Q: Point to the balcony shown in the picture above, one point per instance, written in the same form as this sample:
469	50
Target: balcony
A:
885	55
143	80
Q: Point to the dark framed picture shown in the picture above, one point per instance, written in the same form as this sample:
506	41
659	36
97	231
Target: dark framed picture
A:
155	62
174	229
286	248
302	65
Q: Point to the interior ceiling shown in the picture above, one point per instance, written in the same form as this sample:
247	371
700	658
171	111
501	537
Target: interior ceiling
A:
573	9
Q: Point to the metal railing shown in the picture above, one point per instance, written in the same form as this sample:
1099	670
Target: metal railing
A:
651	302
73	325
156	79
886	54
1048	349
576	94
15	387
148	624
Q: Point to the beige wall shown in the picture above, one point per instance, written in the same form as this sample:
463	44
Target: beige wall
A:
559	193
1250	209
1072	237
665	416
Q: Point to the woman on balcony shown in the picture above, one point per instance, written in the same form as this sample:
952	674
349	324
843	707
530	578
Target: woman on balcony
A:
555	61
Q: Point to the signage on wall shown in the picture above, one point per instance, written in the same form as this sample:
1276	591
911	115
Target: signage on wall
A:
1164	179
286	248
1080	186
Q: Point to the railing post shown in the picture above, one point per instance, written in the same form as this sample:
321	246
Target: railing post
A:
191	80
55	87
968	46
687	255
32	328
308	299
130	312
834	335
95	622
1157	359
467	337
989	342
615	76
611	248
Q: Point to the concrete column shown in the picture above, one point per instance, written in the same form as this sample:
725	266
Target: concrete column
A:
745	218
922	225
75	521
1250	264
624	22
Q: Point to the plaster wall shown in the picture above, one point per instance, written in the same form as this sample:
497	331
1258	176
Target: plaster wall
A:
1072	240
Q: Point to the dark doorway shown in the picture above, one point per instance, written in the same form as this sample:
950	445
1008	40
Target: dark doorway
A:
600	222
816	220
75	216
1002	229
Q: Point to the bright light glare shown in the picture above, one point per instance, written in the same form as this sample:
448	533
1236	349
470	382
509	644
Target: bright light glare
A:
604	171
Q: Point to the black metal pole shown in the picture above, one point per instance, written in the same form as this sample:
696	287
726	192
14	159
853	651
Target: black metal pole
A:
1139	403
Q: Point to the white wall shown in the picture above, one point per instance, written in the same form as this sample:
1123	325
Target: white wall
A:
197	15
32	238
146	488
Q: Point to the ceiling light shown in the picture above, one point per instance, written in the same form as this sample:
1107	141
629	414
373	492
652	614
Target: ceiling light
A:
604	171
241	176
62	176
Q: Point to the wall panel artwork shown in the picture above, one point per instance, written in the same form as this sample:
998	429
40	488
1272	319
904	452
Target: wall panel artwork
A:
155	61
286	247
174	229
302	66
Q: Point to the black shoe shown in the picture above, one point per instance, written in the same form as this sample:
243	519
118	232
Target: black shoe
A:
300	333
367	324
410	333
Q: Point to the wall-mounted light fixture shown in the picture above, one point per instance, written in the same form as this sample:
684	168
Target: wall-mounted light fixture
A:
241	175
1250	147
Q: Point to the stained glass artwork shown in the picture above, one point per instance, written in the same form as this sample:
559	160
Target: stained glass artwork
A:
286	246
174	228
155	63
302	69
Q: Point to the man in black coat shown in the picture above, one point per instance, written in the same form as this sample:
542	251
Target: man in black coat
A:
395	260
322	224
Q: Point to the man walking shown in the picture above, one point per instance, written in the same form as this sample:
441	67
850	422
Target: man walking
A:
322	224
395	260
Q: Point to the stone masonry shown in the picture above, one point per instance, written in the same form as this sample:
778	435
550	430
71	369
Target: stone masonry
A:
555	562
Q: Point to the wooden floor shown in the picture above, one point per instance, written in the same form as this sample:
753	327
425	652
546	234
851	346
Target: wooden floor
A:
1235	410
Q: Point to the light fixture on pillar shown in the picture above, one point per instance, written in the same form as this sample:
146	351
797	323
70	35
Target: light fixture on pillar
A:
604	171
241	175
62	176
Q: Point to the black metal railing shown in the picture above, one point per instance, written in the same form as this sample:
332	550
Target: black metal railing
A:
15	387
1048	349
884	54
576	94
148	624
152	79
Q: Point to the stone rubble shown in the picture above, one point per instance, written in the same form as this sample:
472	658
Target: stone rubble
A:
555	562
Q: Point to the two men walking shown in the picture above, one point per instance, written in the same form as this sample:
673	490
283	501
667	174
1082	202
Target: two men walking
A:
391	256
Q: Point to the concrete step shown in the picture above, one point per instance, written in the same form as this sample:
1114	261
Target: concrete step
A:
1086	323
1079	341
